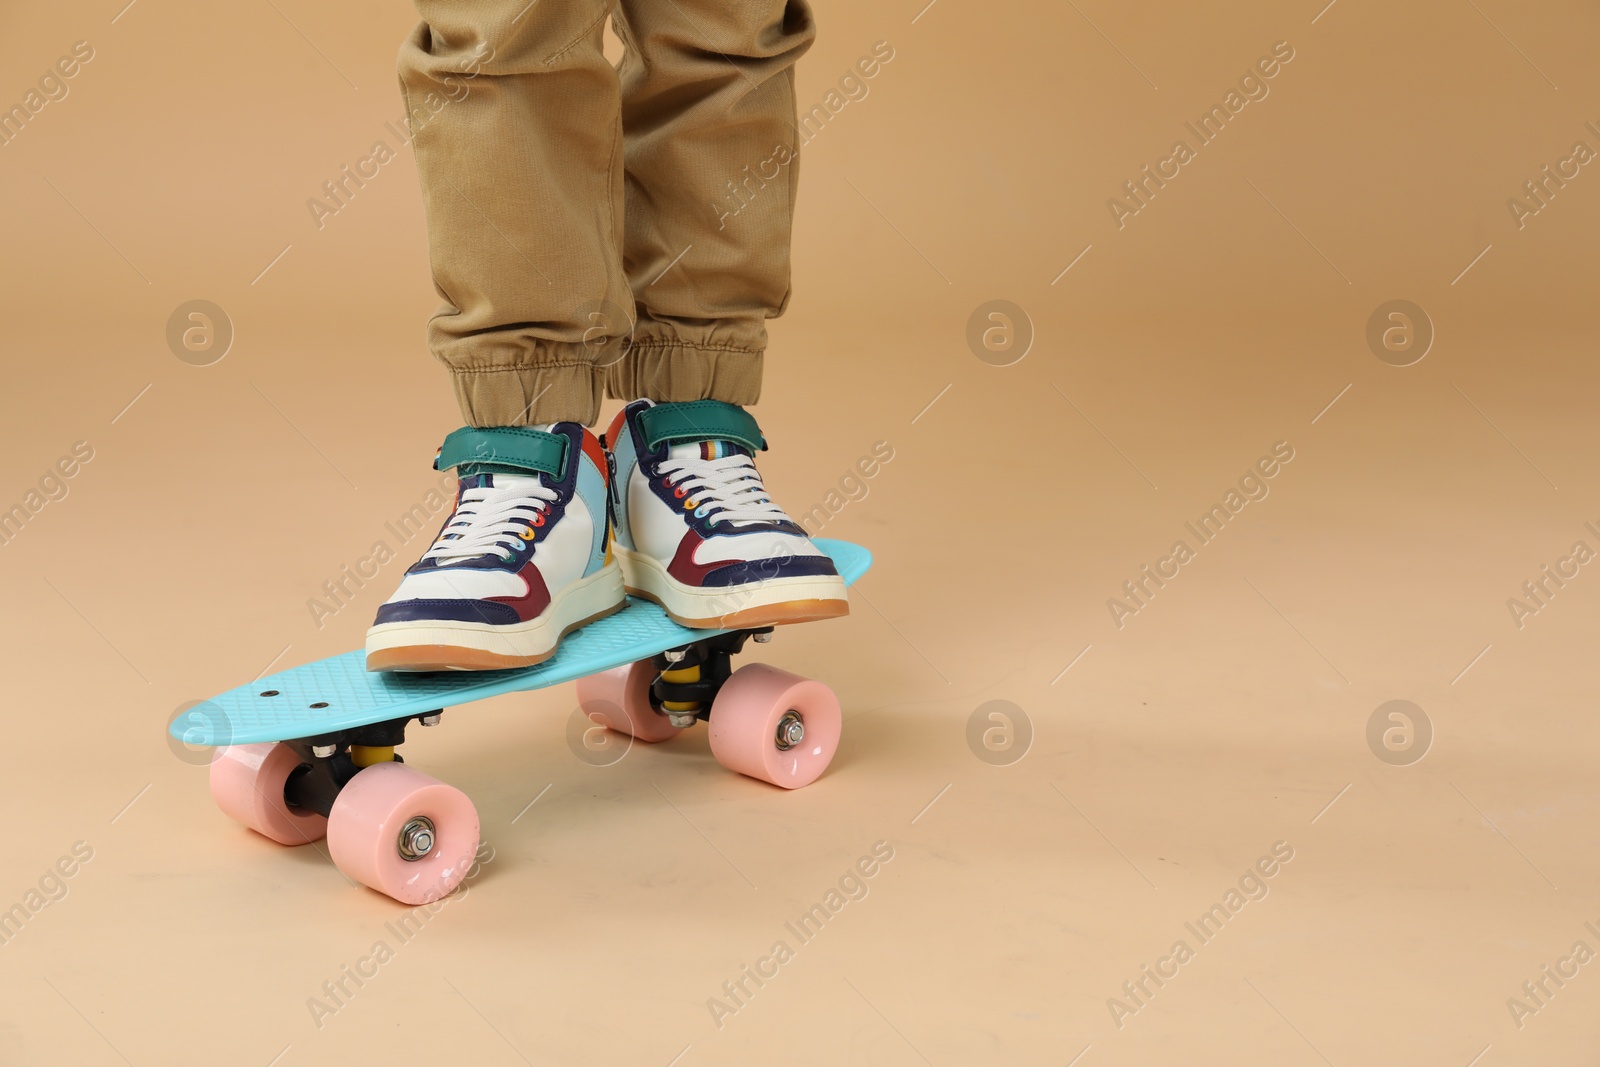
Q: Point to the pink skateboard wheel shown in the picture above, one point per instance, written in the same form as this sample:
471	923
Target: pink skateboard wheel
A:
620	699
247	784
775	726
403	833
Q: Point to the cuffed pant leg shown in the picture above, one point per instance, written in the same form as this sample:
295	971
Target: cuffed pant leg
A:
514	116
712	161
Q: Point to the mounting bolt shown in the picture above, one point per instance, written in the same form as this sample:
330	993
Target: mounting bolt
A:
323	751
674	655
791	730
416	838
762	638
429	720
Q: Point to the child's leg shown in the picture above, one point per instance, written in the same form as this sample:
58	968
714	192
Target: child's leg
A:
708	110
708	107
515	117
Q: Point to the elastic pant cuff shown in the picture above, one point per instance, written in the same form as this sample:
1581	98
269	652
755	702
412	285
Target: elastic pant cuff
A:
675	373
528	396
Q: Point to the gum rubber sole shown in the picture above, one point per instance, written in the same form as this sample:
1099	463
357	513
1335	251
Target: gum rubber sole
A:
771	602
443	657
789	611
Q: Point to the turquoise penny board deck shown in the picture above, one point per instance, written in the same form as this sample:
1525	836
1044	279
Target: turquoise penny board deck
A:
339	692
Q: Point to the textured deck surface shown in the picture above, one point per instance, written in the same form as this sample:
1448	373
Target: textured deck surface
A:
354	696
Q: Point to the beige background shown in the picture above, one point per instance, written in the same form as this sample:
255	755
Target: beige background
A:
1227	715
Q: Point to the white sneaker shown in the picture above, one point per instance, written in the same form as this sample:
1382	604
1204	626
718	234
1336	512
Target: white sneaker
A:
695	530
521	560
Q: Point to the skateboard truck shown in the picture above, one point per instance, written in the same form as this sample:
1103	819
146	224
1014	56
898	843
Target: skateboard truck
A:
690	676
328	762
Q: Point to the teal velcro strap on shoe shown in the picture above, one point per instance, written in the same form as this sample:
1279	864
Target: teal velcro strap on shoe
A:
700	420
503	449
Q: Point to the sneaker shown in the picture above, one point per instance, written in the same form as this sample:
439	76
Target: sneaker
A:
522	560
695	530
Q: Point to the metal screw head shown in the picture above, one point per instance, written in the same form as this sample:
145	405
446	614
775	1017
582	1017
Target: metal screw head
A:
323	751
416	838
791	730
762	639
681	719
674	655
429	720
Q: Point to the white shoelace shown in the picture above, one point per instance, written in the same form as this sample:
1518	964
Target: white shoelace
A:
725	490
490	520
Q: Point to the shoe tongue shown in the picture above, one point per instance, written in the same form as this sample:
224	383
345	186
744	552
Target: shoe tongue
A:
501	481
716	449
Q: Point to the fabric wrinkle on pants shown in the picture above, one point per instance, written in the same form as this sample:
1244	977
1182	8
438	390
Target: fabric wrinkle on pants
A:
590	225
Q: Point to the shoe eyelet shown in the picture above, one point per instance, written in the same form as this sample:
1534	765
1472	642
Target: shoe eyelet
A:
538	520
678	491
527	535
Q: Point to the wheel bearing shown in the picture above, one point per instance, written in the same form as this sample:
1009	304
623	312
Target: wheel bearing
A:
791	730
417	838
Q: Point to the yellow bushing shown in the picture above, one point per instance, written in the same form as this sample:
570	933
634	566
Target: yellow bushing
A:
367	755
682	674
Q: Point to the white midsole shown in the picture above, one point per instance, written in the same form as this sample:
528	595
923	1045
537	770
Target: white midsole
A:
583	599
649	575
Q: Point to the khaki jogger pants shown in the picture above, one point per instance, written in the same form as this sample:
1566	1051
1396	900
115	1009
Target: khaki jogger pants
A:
590	222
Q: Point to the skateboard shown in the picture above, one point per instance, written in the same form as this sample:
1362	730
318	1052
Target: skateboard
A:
309	753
